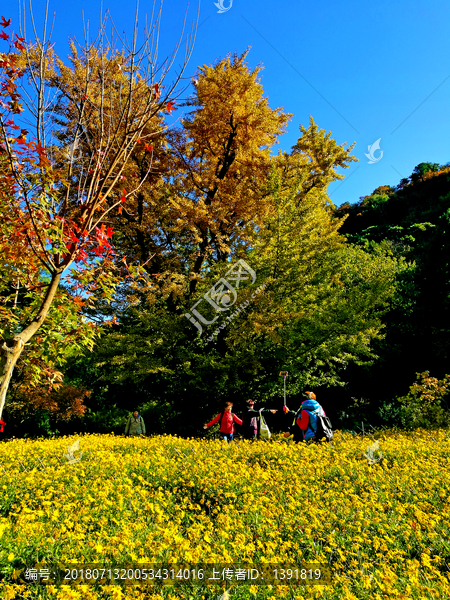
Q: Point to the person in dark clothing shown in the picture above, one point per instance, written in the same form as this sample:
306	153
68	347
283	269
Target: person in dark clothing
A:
252	420
294	429
135	424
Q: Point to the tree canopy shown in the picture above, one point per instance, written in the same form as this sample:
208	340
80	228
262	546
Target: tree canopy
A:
216	261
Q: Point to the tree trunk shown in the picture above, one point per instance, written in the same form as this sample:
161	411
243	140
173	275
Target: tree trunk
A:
9	355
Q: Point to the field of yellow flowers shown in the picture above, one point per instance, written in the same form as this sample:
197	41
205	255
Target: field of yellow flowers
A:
381	530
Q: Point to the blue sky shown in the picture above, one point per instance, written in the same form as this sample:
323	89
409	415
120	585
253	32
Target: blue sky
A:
363	70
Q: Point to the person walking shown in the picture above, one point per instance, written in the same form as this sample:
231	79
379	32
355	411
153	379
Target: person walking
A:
252	420
305	424
226	419
293	428
2	424
135	424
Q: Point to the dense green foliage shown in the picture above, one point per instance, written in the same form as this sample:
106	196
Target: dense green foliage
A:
413	220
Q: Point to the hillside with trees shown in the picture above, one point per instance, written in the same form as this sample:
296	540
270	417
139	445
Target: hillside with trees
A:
412	222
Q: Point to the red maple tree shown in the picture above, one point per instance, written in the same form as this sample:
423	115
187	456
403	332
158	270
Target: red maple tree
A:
58	187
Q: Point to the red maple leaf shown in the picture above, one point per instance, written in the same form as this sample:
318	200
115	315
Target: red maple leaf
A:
82	255
43	160
148	148
4	36
170	107
19	42
124	196
5	23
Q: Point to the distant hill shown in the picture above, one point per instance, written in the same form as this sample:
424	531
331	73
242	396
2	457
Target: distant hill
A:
413	221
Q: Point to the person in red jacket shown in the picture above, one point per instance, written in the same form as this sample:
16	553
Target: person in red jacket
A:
2	424
227	419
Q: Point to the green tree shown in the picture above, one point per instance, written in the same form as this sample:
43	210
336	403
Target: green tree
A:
425	403
320	310
421	169
226	198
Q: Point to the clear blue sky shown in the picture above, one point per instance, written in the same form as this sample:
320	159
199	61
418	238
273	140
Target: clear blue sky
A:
363	70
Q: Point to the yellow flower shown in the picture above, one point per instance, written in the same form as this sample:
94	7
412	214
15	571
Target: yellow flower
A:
168	500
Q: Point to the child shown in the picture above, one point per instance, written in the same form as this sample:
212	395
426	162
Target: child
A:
226	418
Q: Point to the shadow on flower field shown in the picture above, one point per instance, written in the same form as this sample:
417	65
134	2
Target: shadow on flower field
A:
153	518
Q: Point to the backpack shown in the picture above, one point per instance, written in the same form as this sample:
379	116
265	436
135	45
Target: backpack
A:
323	425
324	428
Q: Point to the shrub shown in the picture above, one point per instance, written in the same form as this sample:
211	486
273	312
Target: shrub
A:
425	403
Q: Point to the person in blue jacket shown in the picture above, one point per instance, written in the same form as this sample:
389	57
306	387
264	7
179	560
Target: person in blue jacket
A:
306	419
